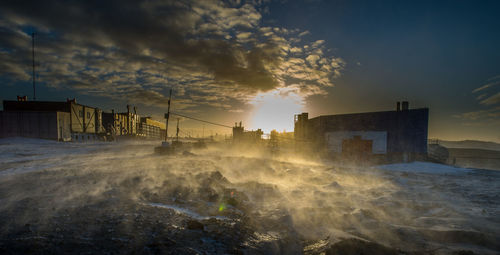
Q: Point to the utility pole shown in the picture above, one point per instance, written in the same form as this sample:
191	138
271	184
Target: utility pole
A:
33	58
177	134
167	115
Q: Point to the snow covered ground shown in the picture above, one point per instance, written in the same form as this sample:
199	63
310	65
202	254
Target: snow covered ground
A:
104	197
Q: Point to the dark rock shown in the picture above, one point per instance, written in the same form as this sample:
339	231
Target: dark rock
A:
194	225
358	247
463	252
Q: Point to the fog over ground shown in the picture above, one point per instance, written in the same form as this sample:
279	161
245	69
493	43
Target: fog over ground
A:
122	198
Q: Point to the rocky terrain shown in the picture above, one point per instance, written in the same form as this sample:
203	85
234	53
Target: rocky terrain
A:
120	198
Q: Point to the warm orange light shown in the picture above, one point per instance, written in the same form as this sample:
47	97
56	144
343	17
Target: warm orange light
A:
275	110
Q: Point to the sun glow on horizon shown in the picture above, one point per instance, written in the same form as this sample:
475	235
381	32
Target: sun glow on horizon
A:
275	110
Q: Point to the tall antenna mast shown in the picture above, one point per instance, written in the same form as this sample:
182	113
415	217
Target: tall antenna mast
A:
33	56
167	115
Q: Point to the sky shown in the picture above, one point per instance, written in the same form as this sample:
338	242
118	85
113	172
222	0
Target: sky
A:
261	62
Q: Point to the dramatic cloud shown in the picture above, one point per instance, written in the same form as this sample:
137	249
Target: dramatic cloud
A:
135	50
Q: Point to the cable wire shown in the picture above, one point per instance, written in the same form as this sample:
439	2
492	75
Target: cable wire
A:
206	121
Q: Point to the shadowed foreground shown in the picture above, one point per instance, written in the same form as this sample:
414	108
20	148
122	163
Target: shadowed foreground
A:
120	198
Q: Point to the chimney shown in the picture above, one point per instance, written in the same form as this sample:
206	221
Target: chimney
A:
398	106
405	106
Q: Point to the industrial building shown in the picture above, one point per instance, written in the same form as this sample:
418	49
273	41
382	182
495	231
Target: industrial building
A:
150	128
123	123
62	121
70	121
240	135
387	136
130	125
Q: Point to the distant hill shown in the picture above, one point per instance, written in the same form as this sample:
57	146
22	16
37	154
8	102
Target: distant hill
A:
470	144
468	154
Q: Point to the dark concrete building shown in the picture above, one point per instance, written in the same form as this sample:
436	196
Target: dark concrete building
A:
399	135
44	125
72	121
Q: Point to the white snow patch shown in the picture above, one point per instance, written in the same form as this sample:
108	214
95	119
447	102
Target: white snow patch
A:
423	167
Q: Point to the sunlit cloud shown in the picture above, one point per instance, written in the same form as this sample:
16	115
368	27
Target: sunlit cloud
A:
196	47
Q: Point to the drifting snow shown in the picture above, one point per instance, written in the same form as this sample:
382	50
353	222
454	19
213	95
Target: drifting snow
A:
424	167
103	197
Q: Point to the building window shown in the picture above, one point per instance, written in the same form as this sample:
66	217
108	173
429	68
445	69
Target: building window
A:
81	113
88	115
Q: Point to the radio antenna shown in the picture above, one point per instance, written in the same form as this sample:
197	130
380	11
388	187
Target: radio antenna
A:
33	57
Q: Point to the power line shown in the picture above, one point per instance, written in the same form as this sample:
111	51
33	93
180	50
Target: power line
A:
226	126
206	121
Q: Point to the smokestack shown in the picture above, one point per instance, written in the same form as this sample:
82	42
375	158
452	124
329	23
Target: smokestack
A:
398	106
405	106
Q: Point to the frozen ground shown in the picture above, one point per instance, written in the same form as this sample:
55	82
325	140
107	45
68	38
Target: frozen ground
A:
121	198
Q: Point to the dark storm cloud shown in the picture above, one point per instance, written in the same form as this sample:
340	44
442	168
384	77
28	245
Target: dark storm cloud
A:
134	26
128	47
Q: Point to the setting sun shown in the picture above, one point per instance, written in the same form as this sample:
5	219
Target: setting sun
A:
275	110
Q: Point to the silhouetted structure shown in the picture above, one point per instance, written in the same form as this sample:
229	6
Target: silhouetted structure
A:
399	135
240	135
50	120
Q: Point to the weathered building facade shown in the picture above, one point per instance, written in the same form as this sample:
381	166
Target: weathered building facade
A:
399	135
130	125
123	123
152	129
77	122
44	125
